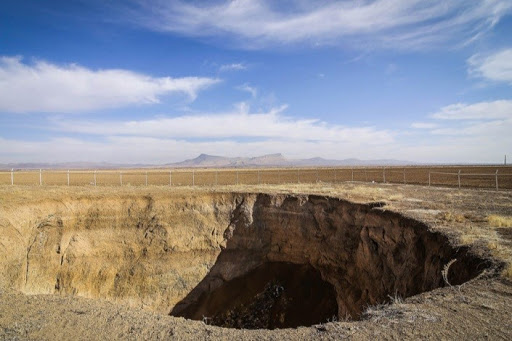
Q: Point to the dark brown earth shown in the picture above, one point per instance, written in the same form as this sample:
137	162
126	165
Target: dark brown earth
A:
274	295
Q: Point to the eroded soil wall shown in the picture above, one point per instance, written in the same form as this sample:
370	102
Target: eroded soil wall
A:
175	253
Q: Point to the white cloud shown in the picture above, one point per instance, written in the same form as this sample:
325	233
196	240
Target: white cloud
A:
389	23
133	149
495	67
423	125
233	67
496	129
477	132
250	89
46	87
501	109
239	123
453	137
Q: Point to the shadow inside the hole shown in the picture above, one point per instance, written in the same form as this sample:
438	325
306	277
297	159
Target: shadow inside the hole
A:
273	295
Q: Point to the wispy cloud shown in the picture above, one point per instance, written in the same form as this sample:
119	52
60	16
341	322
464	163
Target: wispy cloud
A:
233	67
457	133
376	23
247	88
165	139
483	121
494	67
136	149
468	132
46	87
501	109
273	124
423	125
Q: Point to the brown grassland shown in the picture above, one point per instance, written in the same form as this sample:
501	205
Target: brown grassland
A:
470	176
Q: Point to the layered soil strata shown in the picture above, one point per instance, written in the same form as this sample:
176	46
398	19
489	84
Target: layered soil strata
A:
232	259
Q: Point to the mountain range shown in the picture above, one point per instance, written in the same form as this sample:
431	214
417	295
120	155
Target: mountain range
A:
278	160
213	161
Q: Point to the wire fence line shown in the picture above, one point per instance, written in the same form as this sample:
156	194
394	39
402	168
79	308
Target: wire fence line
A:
470	177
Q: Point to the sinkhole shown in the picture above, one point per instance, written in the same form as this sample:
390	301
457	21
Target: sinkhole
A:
229	259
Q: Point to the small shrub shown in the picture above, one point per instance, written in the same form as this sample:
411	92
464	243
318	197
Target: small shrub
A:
499	221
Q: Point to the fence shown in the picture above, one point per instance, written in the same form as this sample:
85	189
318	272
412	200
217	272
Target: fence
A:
474	176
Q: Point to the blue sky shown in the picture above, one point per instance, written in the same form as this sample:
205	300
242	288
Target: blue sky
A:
162	81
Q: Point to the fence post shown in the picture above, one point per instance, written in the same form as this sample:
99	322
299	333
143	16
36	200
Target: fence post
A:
352	174
298	176
12	176
216	177
404	177
94	177
496	179
40	177
237	176
429	179
170	178
68	177
384	174
258	176
458	177
193	178
365	175
121	178
278	177
335	180
146	178
317	175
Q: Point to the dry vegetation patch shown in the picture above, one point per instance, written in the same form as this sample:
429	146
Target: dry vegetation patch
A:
499	221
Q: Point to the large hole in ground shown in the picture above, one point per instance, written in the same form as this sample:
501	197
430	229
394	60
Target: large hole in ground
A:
233	260
274	295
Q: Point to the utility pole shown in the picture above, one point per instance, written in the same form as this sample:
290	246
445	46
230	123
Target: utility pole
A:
505	159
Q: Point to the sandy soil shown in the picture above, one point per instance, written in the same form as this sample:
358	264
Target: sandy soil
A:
477	309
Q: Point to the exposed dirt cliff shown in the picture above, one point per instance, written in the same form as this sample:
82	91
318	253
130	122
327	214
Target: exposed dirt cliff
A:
234	259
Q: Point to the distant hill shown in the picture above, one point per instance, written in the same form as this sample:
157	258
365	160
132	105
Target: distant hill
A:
278	160
205	160
214	161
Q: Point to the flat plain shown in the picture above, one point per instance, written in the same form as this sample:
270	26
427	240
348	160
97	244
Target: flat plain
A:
490	177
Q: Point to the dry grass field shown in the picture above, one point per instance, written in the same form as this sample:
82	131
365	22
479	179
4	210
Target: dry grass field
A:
489	177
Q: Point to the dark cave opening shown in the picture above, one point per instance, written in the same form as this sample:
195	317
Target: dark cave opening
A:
274	295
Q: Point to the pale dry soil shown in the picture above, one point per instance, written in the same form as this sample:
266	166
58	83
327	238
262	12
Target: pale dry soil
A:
111	263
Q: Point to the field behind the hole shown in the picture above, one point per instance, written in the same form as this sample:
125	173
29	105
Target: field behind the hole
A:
491	177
